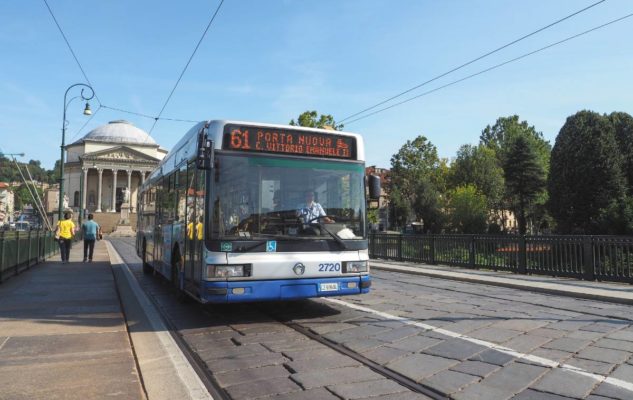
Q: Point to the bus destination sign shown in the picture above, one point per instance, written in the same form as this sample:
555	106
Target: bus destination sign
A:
284	141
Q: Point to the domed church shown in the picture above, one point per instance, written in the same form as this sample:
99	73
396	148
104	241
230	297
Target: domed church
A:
105	162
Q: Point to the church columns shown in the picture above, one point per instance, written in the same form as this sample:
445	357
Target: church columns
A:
84	189
129	183
100	171
114	176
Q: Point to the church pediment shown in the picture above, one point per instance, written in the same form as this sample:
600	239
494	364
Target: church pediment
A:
119	154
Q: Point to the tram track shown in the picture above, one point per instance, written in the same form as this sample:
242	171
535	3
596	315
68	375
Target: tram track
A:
206	375
501	298
379	369
198	365
286	319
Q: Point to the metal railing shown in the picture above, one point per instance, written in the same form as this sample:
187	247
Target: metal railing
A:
21	250
604	258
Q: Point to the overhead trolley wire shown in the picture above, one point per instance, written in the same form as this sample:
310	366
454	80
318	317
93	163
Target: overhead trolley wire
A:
71	50
471	62
186	66
146	115
493	67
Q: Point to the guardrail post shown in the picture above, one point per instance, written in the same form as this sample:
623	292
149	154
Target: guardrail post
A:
3	240
588	272
28	260
17	251
522	256
399	253
471	252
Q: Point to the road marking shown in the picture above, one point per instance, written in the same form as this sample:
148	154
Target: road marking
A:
5	342
188	377
535	359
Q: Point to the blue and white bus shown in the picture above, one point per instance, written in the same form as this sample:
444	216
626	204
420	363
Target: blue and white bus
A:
239	212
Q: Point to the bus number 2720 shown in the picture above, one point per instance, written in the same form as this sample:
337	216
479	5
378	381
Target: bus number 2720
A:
327	267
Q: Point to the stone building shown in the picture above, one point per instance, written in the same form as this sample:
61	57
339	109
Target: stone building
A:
7	204
106	161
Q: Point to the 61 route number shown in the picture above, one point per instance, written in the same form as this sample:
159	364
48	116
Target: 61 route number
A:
327	267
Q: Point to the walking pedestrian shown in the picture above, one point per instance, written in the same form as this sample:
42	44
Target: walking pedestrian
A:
90	230
65	231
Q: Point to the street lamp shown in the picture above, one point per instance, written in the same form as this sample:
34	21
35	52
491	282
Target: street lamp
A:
87	111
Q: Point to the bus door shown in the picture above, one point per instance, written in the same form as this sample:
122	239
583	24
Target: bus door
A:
199	246
158	227
190	217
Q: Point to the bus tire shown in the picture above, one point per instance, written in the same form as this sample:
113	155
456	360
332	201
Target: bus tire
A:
147	269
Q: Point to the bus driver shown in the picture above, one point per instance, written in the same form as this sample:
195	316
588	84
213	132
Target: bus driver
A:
311	210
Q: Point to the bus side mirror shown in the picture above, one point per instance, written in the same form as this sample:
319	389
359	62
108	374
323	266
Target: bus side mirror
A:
374	187
205	154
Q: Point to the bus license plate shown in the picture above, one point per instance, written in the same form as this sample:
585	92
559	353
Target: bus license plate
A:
328	287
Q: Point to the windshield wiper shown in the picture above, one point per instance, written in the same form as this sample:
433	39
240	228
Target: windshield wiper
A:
338	239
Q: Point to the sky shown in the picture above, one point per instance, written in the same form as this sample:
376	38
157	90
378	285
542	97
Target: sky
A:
269	61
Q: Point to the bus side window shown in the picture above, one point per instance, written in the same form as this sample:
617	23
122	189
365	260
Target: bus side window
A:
181	189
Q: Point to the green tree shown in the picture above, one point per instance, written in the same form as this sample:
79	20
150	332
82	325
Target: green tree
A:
586	184
524	175
623	125
416	177
23	196
53	174
312	119
499	137
478	166
468	210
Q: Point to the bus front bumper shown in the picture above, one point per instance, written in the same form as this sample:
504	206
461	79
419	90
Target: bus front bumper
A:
275	290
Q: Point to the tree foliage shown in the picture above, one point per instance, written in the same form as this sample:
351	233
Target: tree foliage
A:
468	210
478	166
500	137
623	126
23	196
525	176
586	185
9	173
416	180
312	119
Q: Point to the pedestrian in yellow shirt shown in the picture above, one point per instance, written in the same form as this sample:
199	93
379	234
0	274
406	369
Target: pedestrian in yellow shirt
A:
65	231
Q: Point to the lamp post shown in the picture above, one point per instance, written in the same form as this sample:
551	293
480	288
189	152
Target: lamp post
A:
87	111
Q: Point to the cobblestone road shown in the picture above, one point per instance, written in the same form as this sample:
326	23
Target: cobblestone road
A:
468	341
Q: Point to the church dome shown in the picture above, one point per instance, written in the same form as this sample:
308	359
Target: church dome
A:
120	131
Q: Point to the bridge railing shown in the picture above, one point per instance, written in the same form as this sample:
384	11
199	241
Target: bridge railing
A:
21	250
604	258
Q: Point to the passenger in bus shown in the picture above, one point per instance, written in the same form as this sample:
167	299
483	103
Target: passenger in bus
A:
310	211
65	231
90	230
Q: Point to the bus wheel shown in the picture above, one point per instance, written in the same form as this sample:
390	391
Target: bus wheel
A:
146	267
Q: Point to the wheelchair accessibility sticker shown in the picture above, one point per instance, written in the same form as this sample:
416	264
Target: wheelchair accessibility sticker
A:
271	246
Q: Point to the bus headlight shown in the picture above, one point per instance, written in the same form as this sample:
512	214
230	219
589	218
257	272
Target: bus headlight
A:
350	267
228	271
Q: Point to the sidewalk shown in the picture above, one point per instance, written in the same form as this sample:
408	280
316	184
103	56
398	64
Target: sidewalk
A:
63	334
611	292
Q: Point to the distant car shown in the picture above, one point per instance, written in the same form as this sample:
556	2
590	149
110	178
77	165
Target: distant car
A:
22	226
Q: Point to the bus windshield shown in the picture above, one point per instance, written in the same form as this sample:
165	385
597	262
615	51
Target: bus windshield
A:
262	197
